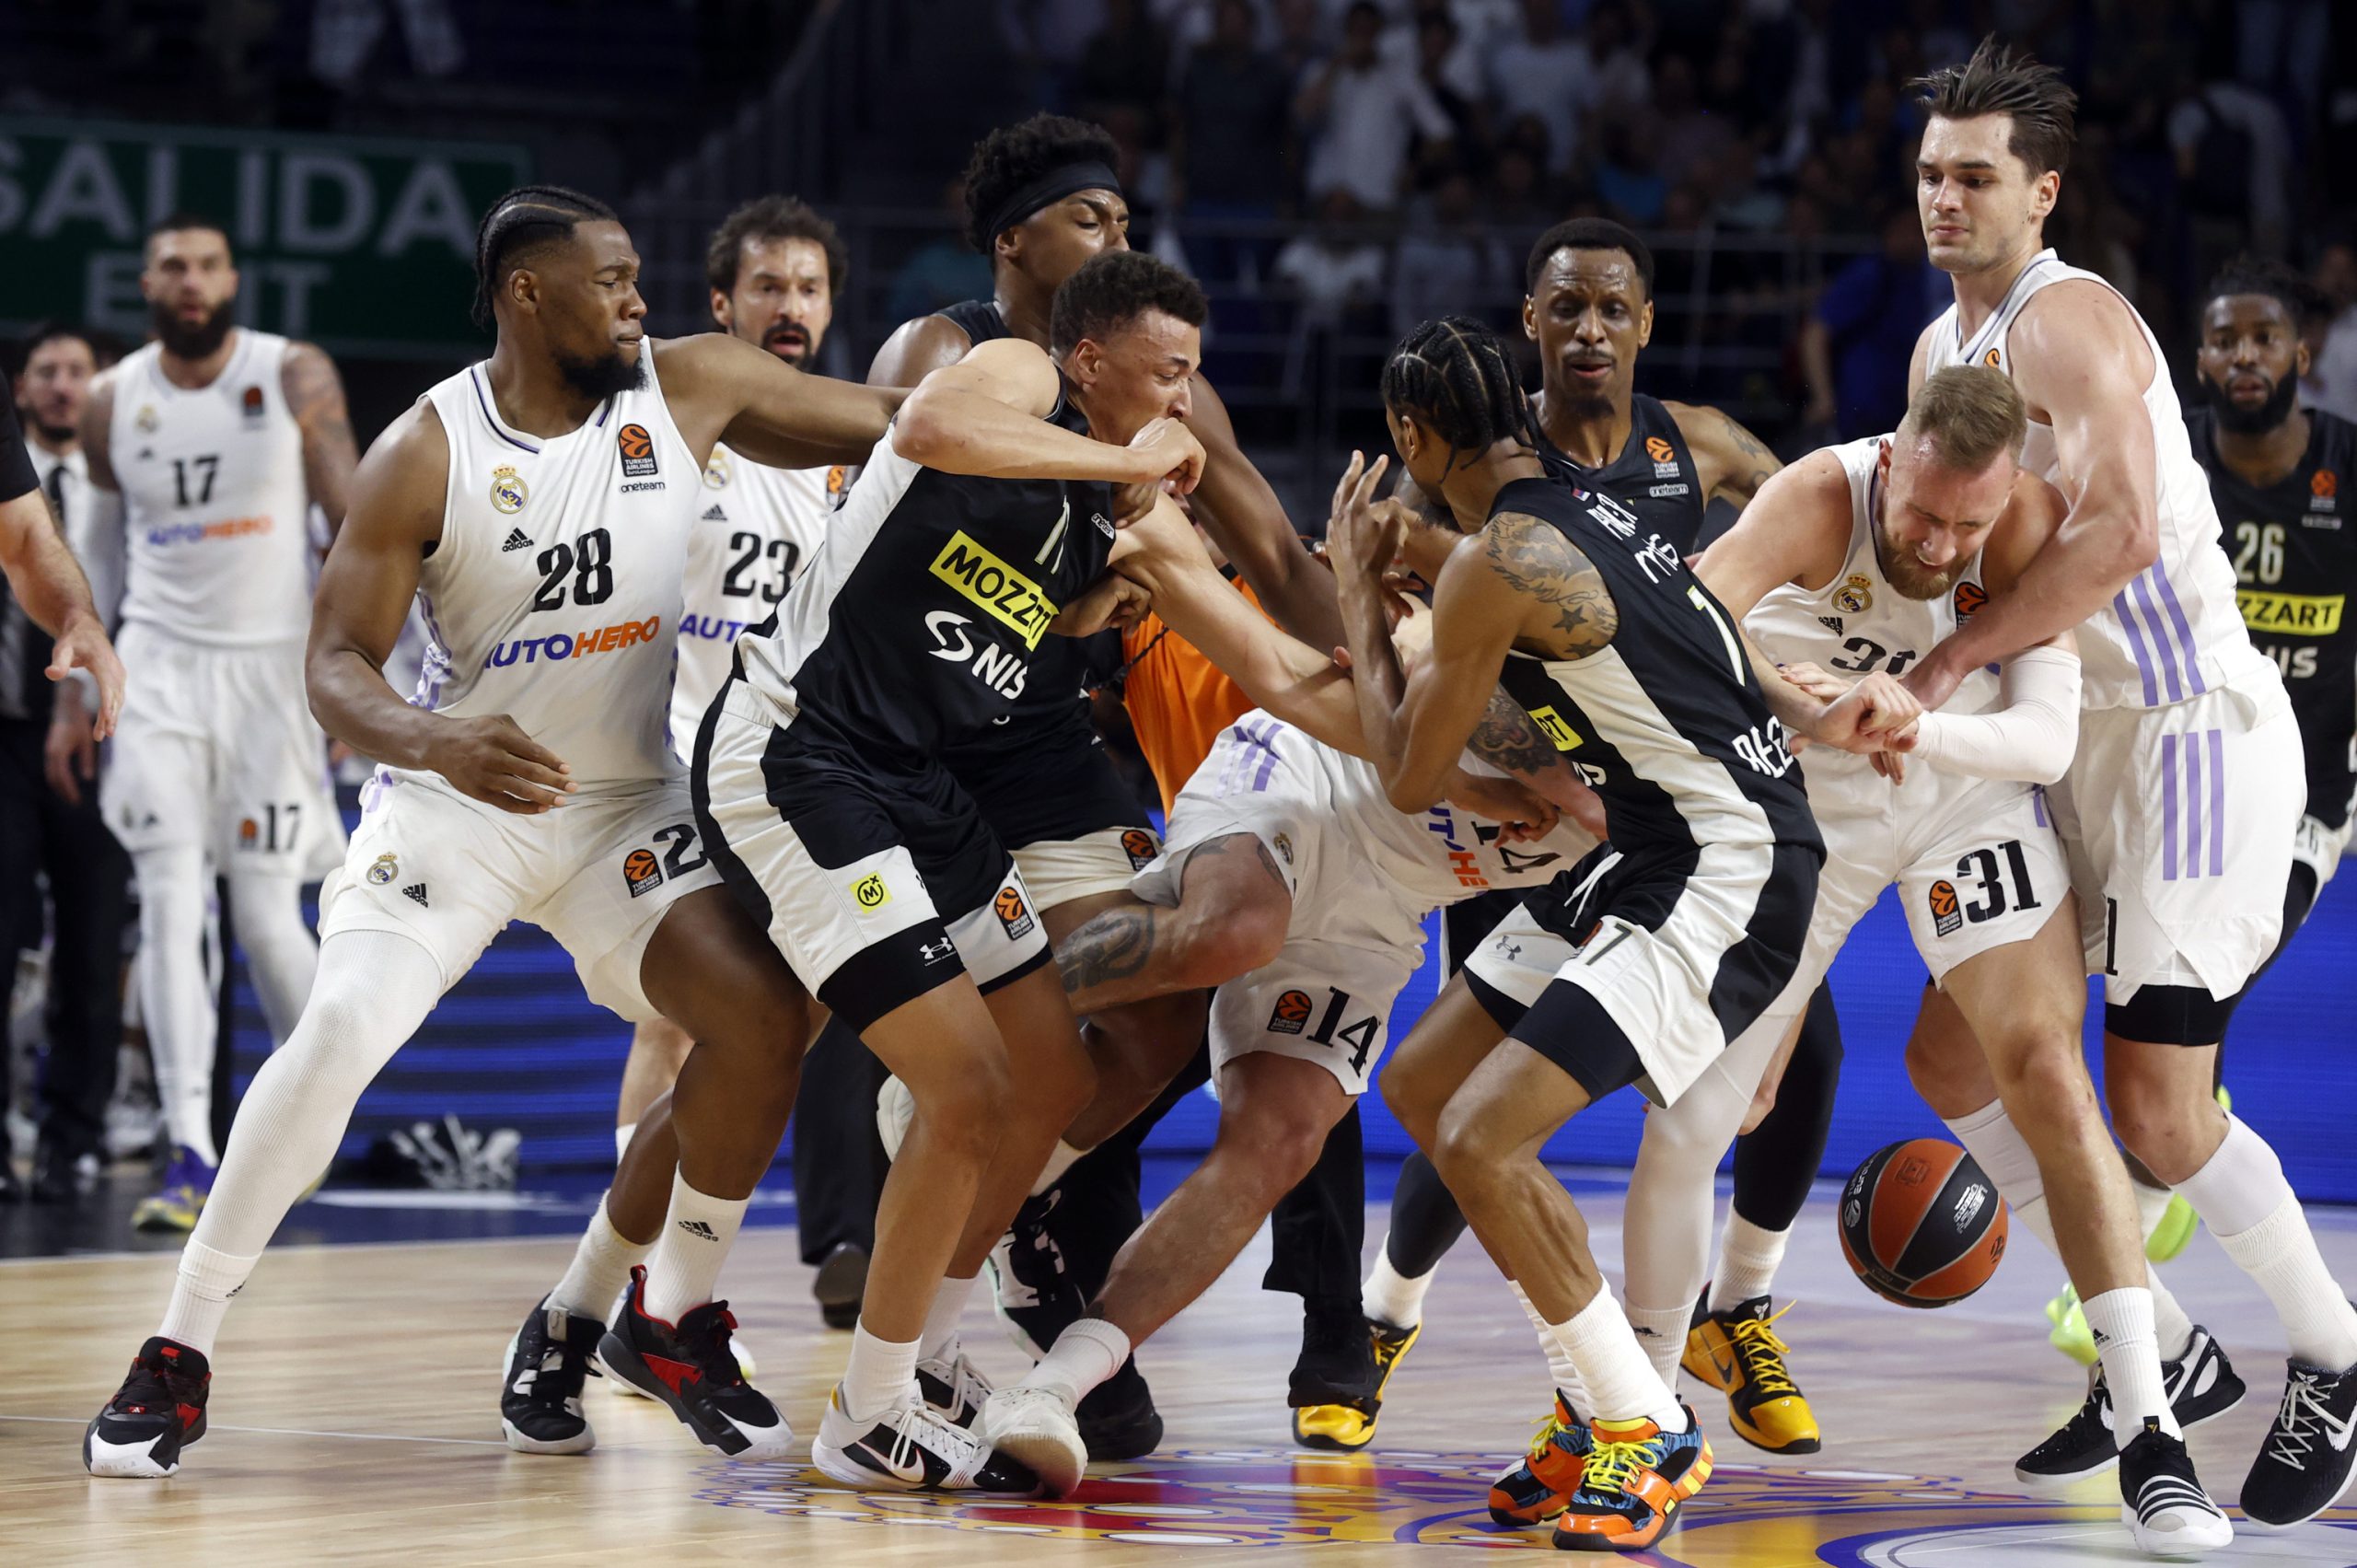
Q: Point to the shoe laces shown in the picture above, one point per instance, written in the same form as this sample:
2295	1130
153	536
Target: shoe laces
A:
705	1334
2298	1422
1763	1355
968	1387
1387	1347
1549	1427
157	1386
919	1427
571	1368
1611	1465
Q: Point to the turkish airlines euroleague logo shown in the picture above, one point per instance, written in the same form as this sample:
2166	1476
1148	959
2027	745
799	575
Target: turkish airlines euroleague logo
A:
1970	597
1289	1014
1946	918
1012	912
638	451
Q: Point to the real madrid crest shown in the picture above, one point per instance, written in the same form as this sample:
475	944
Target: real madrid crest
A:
716	473
383	869
1854	597
507	490
145	421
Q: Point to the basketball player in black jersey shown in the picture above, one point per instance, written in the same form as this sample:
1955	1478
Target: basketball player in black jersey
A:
1043	198
1676	934
1590	310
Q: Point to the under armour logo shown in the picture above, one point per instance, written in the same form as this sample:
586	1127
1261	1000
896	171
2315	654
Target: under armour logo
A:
700	1230
517	540
417	890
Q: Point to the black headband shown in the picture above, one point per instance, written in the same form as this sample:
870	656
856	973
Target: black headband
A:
1053	186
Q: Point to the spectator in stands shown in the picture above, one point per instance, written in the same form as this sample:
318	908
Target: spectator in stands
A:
1442	66
943	271
1046	38
1334	267
1617	83
1447	60
1358	113
1233	142
1545	73
1127	63
2332	354
1519	196
1626	179
1446	264
1856	346
2233	154
1687	138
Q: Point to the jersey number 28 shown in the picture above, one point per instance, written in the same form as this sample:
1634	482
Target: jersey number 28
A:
590	568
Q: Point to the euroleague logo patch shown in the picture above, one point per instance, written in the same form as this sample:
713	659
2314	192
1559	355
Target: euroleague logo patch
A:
1291	1013
640	873
637	450
1970	597
1664	457
1946	918
1012	912
1139	845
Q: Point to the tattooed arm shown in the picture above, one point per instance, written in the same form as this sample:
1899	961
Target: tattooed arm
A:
314	395
1730	462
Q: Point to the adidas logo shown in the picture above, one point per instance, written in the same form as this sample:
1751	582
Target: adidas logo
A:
713	514
517	540
698	1229
417	890
1832	622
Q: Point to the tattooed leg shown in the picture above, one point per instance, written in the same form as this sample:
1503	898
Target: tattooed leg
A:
1230	919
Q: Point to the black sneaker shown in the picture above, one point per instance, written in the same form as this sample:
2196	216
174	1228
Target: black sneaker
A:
840	1284
951	1385
2200	1384
1117	1418
60	1176
1337	1362
2161	1500
1036	1295
912	1448
691	1367
548	1364
2304	1466
158	1409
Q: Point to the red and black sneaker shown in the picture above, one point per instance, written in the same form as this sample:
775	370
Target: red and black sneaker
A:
159	1409
691	1367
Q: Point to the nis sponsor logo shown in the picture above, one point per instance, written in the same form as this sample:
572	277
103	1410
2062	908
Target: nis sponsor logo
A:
191	533
564	645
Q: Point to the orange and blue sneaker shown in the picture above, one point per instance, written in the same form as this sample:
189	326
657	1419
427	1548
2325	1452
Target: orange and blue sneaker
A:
1635	1479
1535	1488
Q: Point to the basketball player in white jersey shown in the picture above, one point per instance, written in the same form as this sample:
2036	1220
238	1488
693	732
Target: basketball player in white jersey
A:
538	507
1860	559
207	448
2180	809
774	268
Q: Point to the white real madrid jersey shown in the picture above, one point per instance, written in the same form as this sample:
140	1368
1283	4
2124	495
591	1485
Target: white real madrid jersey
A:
1858	624
2173	633
755	528
215	512
554	594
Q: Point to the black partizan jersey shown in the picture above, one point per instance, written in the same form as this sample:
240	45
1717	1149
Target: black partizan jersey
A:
921	617
1654	476
1665	724
2294	547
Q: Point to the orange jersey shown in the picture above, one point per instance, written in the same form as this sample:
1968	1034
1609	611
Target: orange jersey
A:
1178	700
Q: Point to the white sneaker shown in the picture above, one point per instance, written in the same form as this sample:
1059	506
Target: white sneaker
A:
911	1447
895	1109
1036	1428
952	1385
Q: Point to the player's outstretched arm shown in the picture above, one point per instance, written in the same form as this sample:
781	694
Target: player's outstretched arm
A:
986	416
2079	355
365	588
1795	530
721	389
1248	522
314	394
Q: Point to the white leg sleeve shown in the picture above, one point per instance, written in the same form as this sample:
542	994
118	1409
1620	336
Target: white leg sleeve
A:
1665	1236
176	999
281	953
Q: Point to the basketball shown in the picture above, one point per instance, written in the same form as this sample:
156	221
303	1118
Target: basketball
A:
1920	1224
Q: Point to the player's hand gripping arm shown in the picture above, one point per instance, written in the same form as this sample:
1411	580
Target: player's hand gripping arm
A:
1248	522
2077	354
364	597
314	395
986	416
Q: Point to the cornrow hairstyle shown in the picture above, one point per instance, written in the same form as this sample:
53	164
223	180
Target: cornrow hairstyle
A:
1455	376
524	220
2277	280
1589	234
1998	80
1014	155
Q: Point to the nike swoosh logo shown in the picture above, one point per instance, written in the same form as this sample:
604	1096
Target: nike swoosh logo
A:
1725	1370
2337	1433
912	1472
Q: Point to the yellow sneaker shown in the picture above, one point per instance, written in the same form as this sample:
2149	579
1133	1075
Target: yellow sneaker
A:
187	1184
1746	1360
2069	1332
1351	1424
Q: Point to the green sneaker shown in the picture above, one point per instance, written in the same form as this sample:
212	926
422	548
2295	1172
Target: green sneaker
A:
2175	1233
2070	1333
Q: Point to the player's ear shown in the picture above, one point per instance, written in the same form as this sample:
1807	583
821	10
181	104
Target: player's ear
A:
2300	357
1645	324
723	311
1530	318
2044	191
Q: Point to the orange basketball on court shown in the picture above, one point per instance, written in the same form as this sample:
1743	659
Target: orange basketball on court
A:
1922	1224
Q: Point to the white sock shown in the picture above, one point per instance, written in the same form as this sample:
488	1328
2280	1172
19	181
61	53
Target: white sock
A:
1060	1160
1748	1257
1661	1334
1559	1365
2151	1203
600	1267
1084	1355
880	1377
622	1139
2172	1329
685	1267
2122	1321
939	1341
1390	1297
2241	1196
201	1293
1599	1341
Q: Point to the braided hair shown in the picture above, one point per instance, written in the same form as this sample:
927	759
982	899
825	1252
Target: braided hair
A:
1455	376
524	220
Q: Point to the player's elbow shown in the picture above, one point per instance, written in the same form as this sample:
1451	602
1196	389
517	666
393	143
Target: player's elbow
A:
1411	795
922	432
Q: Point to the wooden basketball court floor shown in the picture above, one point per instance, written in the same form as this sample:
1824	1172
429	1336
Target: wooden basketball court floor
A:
355	1422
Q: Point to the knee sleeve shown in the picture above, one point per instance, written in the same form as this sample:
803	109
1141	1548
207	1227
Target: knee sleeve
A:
1425	1220
281	953
1665	1234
